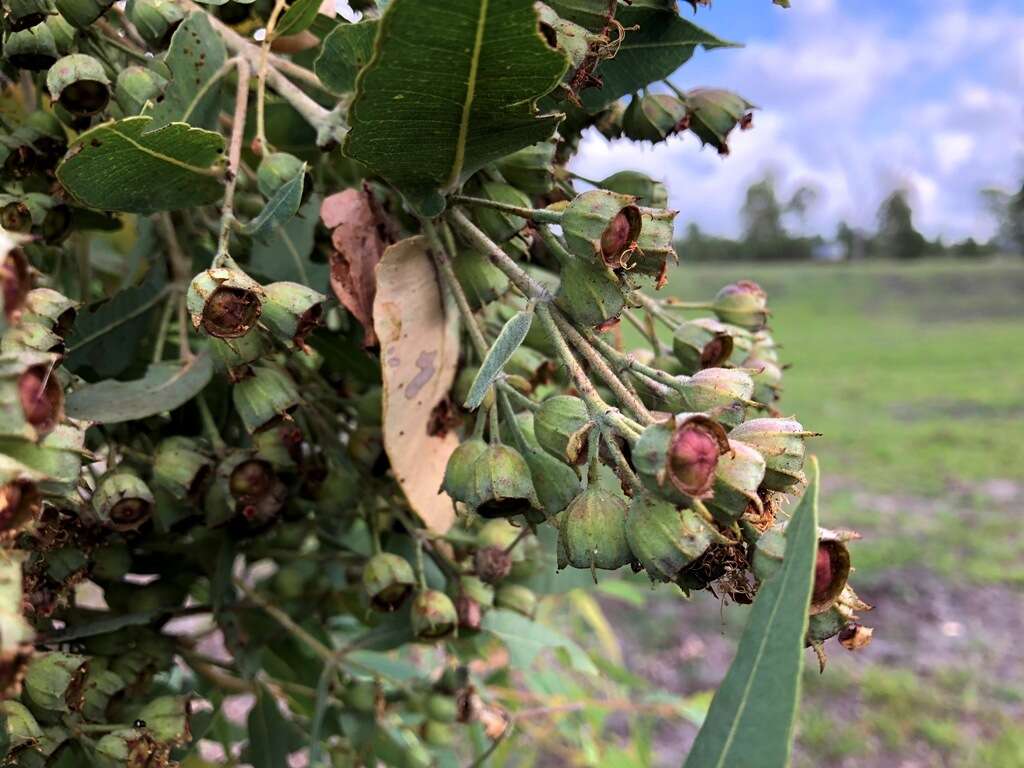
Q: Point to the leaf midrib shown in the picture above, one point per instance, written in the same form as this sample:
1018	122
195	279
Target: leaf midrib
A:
467	105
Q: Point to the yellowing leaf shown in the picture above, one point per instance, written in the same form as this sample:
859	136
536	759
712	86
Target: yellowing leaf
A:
419	350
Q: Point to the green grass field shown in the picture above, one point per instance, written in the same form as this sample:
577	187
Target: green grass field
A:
915	375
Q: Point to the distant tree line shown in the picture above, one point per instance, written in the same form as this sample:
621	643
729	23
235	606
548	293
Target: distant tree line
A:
771	231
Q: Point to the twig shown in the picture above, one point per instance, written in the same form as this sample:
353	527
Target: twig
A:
261	76
287	623
227	214
482	243
539	215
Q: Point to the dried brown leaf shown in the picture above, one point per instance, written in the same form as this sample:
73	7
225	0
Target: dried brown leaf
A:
419	353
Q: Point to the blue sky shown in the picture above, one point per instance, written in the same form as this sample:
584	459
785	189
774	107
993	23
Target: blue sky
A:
856	98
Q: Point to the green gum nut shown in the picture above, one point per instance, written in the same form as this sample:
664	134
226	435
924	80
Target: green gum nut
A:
739	474
33	49
167	719
79	84
50	308
530	169
100	688
264	398
654	247
181	467
564	35
767	378
592	530
481	281
131	748
31	337
31	397
602	225
237	354
82	13
58	458
387	580
562	427
831	566
781	442
653	117
20	730
225	303
531	367
665	539
555	482
433	615
676	458
590	294
713	113
292	311
477	589
638	185
276	170
743	303
156	20
840	616
64	35
281	445
701	343
498	225
721	391
763	347
54	681
502	484
22	14
122	501
136	86
515	597
458	474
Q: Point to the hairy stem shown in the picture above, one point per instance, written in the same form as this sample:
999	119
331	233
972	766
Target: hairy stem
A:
227	213
538	215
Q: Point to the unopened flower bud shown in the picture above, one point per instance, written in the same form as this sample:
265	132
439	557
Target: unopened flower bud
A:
156	20
781	442
738	475
264	398
136	86
54	681
225	303
433	615
82	13
33	49
388	580
602	225
458	474
79	83
723	392
743	303
64	35
701	343
122	501
562	427
653	117
476	588
502	484
492	564
676	458
515	597
292	311
713	113
592	530
665	539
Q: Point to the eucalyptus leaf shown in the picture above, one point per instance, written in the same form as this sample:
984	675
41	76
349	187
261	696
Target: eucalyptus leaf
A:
165	386
751	718
509	340
282	205
284	252
119	166
107	335
436	102
346	50
661	43
297	18
268	733
525	639
196	54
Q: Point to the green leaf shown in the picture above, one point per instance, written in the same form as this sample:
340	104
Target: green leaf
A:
107	335
450	88
165	386
592	14
284	253
509	340
268	733
346	50
105	623
751	718
193	96
663	43
118	166
297	18
279	209
525	639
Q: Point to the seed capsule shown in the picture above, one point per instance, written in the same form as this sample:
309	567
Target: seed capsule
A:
713	113
166	719
531	169
515	597
264	398
433	615
481	281
701	343
54	681
767	378
292	311
562	427
225	303
502	484
18	727
603	225
592	530
20	501
498	225
34	49
666	539
156	20
654	117
555	482
781	442
82	13
51	309
738	475
458	474
723	392
743	303
122	501
136	86
79	83
22	14
31	397
590	293
388	580
15	283
831	567
680	455
654	246
181	467
132	748
100	687
276	170
635	184
492	564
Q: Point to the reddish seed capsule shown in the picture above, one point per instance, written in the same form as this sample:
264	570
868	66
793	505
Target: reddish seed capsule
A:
42	400
822	572
231	312
492	564
692	458
251	479
620	236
